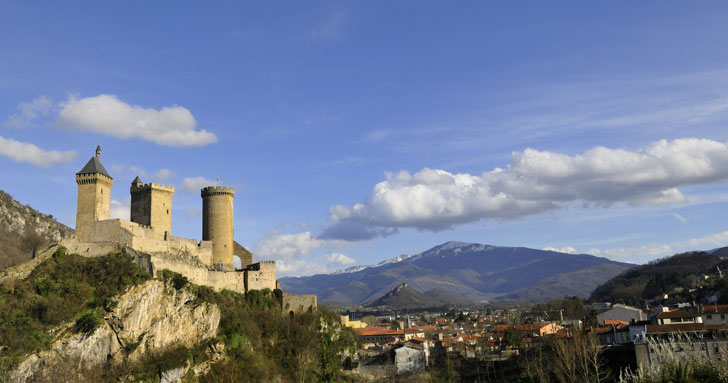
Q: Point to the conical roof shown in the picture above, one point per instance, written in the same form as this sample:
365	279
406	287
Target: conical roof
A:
137	180
94	166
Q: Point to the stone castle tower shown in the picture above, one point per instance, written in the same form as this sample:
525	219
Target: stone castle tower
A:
94	186
151	205
217	224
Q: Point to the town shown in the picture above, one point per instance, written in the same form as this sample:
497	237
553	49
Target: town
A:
490	344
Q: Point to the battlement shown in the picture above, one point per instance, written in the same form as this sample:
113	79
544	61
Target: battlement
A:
83	179
152	185
217	190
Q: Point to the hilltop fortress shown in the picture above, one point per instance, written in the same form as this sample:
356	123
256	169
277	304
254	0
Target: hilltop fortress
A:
208	262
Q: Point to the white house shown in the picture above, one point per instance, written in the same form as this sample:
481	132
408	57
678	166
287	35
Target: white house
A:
622	313
409	359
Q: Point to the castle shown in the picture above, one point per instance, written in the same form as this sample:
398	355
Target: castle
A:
208	262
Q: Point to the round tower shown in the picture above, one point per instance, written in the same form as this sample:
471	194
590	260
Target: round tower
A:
217	224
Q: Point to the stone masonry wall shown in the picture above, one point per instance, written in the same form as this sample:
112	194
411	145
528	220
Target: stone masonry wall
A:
93	202
298	303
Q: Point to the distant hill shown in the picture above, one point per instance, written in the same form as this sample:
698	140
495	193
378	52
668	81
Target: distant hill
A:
662	275
472	272
564	285
404	297
447	298
23	228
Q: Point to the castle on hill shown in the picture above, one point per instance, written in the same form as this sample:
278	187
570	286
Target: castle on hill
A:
208	262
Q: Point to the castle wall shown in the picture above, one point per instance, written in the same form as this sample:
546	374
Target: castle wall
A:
93	202
267	269
217	223
218	280
256	280
179	246
111	230
87	249
298	303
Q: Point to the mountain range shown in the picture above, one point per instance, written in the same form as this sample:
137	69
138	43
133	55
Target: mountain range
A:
461	273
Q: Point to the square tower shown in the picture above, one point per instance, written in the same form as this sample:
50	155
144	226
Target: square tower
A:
94	189
151	205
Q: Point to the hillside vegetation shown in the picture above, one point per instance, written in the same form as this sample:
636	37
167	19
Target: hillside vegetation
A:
255	342
671	274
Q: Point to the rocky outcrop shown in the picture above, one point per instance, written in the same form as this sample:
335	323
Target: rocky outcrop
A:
147	318
17	217
24	231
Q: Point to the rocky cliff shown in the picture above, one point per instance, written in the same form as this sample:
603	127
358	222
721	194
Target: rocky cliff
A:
23	229
148	318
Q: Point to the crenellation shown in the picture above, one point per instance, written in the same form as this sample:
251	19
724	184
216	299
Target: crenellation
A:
152	185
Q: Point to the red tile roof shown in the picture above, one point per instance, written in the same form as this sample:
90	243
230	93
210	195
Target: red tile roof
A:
676	314
707	309
614	322
668	328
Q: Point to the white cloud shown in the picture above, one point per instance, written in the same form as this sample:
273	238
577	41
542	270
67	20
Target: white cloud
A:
653	250
567	249
534	182
331	27
293	253
192	212
27	152
160	175
377	135
30	111
106	114
300	267
120	210
712	240
278	246
339	259
679	217
192	185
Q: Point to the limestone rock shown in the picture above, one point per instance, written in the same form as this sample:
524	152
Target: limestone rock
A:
148	317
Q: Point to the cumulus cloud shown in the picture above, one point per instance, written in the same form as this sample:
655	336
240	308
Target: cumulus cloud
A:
26	152
120	210
28	112
160	175
106	114
534	182
192	185
276	245
339	259
293	253
567	249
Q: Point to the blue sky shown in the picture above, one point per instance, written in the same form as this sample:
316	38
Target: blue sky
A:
359	131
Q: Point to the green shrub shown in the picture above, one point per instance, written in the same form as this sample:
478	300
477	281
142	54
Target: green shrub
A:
87	322
178	280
